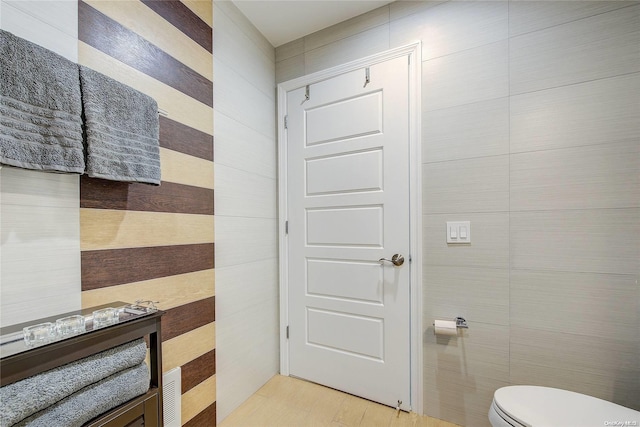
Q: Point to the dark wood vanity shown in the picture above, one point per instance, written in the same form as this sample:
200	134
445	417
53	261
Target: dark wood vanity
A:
21	362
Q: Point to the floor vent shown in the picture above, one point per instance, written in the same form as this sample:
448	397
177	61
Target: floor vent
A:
171	396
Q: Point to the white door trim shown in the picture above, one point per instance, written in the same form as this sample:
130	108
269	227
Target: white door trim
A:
413	52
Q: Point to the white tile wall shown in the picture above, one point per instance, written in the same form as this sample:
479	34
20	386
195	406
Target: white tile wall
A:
289	50
290	68
462	373
241	100
39	212
601	111
593	240
560	301
469	185
489	246
463	78
596	176
452	27
603	367
51	24
244	194
349	28
470	130
477	293
254	66
357	46
527	16
531	129
243	148
592	48
247	316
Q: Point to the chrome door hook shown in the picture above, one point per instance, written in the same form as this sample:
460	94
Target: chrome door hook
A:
396	260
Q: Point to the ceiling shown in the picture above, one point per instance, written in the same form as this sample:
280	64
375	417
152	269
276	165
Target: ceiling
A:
282	21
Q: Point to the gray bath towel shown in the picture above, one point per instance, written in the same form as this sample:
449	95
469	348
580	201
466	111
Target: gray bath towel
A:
24	398
40	108
121	126
94	400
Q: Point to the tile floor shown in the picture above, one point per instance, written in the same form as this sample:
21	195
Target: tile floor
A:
287	401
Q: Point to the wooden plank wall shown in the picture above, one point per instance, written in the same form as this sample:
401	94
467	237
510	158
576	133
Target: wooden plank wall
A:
157	243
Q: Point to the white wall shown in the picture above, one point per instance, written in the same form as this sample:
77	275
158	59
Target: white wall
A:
39	212
245	208
531	130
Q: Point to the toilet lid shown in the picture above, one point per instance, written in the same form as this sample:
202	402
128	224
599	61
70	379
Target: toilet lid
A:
543	407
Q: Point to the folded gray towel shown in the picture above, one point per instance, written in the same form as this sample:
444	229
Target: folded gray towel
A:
121	126
94	400
40	108
24	398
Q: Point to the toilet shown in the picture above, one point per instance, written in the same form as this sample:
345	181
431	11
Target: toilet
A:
533	406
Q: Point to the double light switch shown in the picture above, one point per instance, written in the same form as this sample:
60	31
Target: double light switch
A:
458	232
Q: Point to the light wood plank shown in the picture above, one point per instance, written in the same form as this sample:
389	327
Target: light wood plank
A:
198	398
170	292
113	229
184	169
180	107
377	415
351	411
243	413
290	401
202	8
143	21
186	347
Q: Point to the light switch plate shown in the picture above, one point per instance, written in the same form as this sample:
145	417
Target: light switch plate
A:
458	231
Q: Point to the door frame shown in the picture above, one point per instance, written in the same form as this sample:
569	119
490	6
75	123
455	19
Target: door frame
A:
413	52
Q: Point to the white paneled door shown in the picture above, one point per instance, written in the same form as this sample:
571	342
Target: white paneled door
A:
348	208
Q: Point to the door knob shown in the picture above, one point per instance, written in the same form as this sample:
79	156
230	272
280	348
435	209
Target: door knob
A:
396	260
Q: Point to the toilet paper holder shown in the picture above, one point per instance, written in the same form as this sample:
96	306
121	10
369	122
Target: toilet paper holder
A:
461	322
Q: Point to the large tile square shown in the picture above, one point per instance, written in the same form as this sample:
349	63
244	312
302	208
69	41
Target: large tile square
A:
595	240
471	130
469	185
597	47
465	77
602	111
